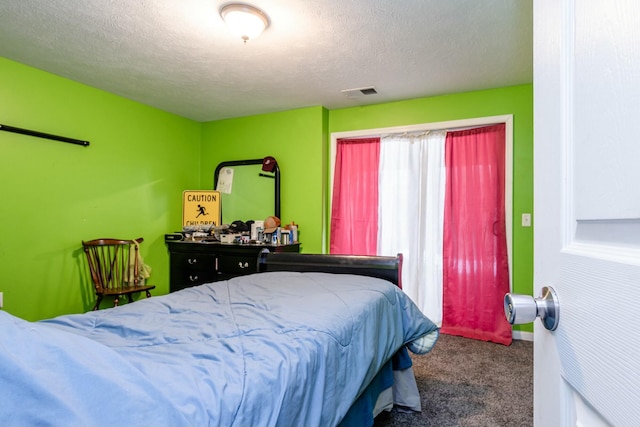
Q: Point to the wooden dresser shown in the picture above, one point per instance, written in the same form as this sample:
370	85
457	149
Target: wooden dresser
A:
194	263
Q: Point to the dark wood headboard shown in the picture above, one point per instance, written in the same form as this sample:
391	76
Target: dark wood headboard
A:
383	267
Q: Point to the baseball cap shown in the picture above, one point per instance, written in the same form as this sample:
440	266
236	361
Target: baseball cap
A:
271	223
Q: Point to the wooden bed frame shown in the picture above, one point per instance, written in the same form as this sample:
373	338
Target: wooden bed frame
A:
382	267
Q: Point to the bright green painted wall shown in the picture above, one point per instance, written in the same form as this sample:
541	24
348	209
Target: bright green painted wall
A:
127	183
516	100
296	138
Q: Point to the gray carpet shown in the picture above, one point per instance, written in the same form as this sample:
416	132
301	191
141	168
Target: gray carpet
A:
465	382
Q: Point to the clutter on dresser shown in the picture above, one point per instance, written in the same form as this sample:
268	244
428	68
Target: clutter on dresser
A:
256	232
280	235
268	231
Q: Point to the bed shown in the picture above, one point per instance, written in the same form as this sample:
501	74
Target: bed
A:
309	341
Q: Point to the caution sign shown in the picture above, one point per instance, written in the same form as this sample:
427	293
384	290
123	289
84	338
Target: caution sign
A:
200	209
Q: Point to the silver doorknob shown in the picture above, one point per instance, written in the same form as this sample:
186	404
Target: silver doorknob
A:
524	308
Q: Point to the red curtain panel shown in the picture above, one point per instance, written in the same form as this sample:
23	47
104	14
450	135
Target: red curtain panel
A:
354	208
476	269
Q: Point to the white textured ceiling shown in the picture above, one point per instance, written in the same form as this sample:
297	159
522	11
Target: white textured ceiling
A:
178	56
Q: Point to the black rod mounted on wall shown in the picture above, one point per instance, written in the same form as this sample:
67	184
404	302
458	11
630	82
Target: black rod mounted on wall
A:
43	135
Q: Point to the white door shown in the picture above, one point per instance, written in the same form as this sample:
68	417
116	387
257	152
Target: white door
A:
587	210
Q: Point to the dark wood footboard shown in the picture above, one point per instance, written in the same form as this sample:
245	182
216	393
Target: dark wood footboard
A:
383	267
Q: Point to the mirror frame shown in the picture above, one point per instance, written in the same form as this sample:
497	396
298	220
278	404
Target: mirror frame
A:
276	171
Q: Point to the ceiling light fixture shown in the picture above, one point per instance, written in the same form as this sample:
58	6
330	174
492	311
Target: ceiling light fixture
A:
245	21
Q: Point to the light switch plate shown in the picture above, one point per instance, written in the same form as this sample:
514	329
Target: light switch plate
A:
526	220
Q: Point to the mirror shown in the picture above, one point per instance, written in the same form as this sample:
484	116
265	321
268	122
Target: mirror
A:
249	189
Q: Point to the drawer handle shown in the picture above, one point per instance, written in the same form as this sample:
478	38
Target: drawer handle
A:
193	278
245	265
192	260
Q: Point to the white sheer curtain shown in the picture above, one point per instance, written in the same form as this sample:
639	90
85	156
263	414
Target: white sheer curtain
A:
411	213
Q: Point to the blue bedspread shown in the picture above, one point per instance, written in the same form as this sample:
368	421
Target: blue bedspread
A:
280	348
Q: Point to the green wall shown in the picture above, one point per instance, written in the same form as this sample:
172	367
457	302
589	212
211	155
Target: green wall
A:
516	100
297	139
128	183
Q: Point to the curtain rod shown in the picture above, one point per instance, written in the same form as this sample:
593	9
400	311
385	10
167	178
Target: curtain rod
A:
43	135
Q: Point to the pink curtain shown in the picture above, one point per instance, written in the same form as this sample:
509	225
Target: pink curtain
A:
476	270
354	208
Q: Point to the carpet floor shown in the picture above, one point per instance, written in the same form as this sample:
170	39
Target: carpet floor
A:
471	383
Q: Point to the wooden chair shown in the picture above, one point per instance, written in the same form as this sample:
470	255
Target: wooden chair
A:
115	267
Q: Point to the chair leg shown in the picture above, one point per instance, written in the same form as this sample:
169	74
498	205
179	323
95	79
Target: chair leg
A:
116	300
97	306
130	297
148	294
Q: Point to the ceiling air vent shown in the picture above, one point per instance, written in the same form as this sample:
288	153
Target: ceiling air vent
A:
354	93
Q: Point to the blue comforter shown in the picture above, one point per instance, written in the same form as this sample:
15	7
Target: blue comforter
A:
277	348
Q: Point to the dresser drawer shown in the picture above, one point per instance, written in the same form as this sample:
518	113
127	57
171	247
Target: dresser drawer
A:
193	278
238	264
194	261
190	269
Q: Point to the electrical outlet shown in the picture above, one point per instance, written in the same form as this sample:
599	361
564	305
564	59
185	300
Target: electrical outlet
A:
1	300
526	220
